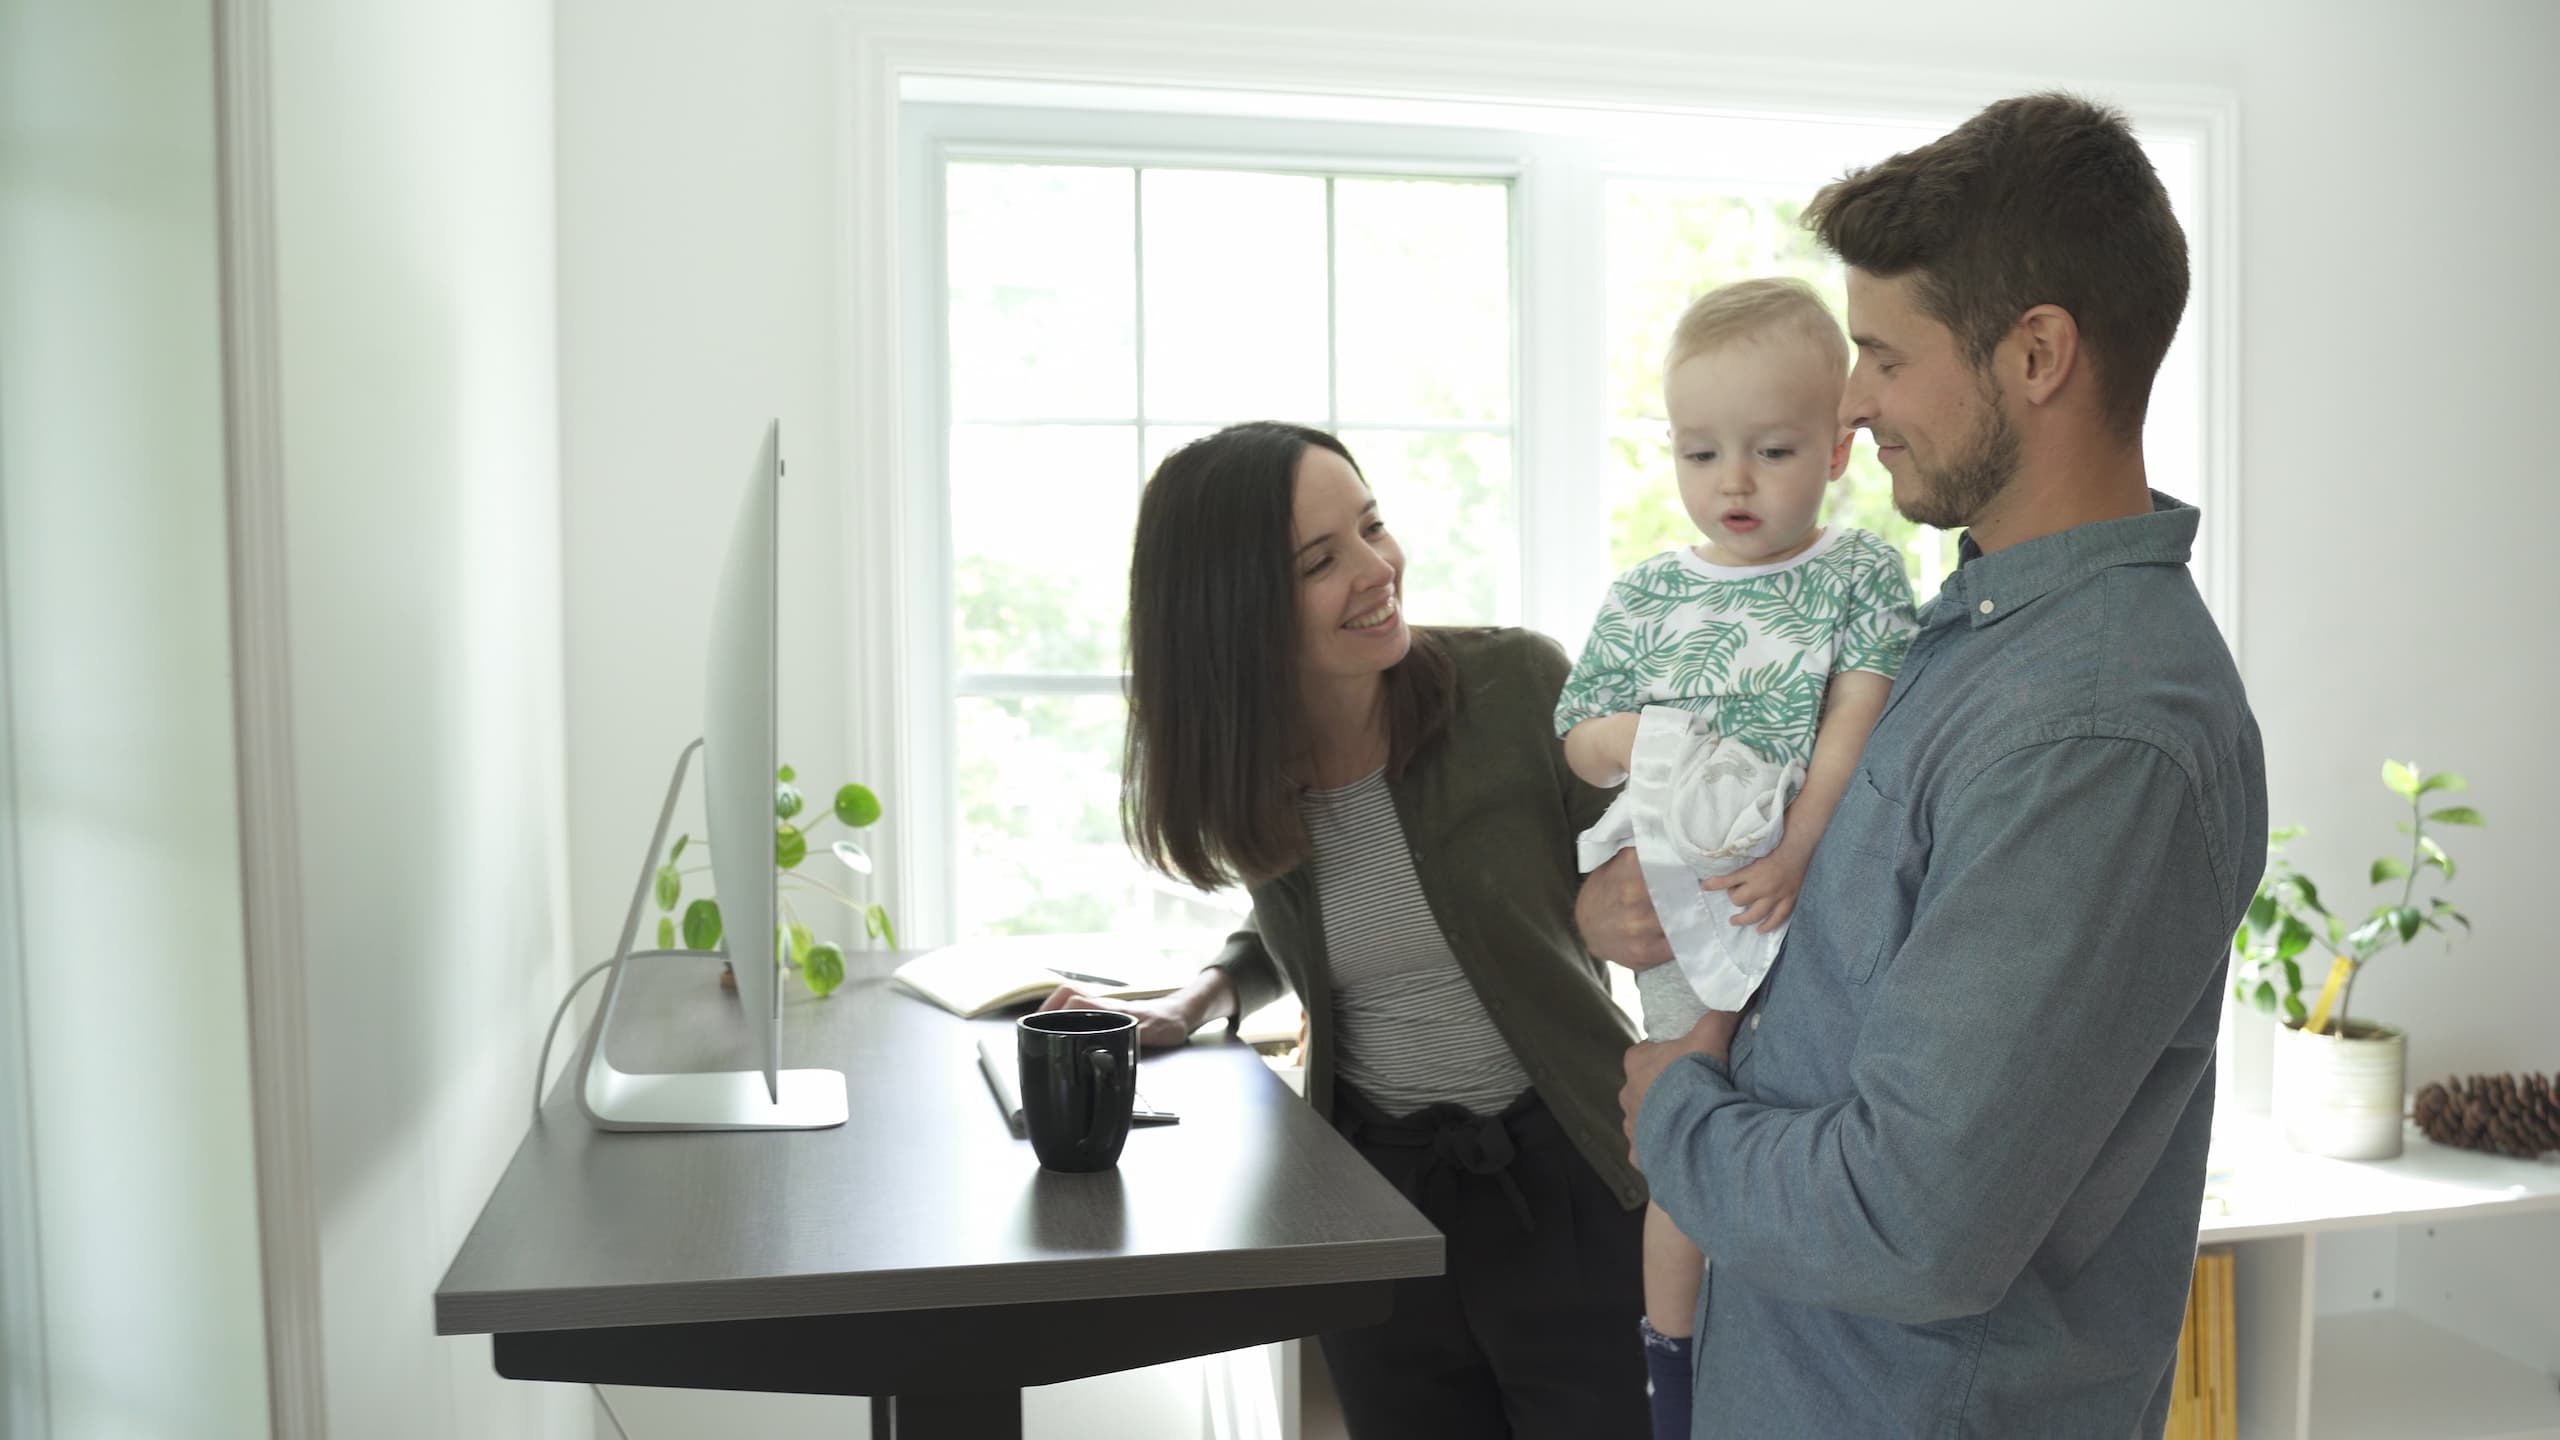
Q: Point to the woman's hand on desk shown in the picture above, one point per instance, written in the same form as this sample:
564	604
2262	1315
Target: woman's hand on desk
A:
1159	1024
1163	1022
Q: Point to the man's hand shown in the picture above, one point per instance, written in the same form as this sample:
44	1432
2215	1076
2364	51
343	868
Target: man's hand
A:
1616	917
1712	1037
1764	892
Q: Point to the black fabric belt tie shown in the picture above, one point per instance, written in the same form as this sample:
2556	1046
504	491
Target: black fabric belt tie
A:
1461	1142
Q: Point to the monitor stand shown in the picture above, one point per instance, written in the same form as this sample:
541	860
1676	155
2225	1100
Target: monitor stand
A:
711	1100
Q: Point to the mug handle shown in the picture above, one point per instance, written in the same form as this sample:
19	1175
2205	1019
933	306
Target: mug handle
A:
1103	1064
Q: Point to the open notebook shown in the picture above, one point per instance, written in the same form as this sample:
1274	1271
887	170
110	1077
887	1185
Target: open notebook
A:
977	976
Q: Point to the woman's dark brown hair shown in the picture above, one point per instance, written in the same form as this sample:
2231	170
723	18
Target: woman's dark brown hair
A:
1216	725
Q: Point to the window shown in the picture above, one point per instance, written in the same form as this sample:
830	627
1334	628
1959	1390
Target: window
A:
1479	309
1094	316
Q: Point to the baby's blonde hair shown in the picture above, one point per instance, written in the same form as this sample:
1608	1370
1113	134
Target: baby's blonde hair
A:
1756	309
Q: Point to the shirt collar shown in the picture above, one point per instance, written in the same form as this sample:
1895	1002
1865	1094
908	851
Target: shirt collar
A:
1988	589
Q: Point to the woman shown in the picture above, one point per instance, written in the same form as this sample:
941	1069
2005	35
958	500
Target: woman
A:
1399	808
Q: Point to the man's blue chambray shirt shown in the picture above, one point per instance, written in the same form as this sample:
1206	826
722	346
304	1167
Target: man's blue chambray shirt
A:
1951	1177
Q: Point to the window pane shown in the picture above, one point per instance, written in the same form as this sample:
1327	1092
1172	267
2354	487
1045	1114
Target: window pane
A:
1235	296
1422	274
1041	517
1041	853
1670	242
1163	440
1446	496
1039	788
1645	517
1043	292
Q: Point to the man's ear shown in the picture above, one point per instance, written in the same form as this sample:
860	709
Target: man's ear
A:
2047	342
1840	453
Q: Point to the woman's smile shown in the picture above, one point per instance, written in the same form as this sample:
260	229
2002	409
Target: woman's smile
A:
1383	612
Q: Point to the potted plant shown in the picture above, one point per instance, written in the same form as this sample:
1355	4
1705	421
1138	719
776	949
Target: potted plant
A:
2339	1078
821	965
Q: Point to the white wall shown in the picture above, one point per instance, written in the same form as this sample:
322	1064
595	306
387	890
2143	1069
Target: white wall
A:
2398	203
2395	215
716	319
126	905
417	328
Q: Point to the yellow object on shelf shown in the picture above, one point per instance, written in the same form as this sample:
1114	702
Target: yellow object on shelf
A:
2341	971
2203	1396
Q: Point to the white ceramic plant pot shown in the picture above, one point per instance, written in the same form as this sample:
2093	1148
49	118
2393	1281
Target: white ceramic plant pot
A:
2341	1096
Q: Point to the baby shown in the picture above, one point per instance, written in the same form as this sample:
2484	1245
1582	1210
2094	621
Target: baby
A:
1730	687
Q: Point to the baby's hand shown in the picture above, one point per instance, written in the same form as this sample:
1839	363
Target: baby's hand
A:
1763	892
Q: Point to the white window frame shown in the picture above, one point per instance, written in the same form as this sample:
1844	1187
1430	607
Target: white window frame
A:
1179	79
1550	534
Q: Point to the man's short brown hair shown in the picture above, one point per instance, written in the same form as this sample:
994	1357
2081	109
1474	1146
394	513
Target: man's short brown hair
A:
2039	200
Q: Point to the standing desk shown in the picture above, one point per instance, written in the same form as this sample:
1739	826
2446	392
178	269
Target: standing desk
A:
918	1254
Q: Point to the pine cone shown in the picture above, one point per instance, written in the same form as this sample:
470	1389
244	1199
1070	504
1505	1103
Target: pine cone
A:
2516	1115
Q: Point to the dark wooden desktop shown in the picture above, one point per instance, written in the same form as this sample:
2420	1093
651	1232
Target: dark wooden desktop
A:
918	1254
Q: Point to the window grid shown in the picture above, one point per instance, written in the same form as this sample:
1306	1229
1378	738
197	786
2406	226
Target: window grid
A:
1332	316
978	684
1138	308
996	896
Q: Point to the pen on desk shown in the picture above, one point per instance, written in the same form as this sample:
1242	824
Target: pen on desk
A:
1079	975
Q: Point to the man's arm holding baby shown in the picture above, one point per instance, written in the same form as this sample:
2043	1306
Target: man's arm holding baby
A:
1764	892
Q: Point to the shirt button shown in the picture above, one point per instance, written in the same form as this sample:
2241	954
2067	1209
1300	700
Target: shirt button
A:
1755	1022
1986	607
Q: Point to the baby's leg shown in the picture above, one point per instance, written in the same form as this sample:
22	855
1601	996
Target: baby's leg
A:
1672	1266
1673	1271
1671	1008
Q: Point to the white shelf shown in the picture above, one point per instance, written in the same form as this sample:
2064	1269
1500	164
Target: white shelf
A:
2257	1187
2311	1369
2383	1375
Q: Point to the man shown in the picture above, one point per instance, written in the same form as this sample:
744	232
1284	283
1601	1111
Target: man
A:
1947	1163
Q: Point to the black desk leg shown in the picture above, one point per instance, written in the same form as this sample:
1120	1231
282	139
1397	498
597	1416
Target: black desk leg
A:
990	1414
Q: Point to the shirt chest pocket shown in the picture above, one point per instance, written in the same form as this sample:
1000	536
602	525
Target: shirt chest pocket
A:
1858	893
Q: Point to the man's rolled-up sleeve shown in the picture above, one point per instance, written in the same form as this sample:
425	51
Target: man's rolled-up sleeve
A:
2069	922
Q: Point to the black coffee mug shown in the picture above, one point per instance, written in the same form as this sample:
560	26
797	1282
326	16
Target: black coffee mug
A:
1079	1083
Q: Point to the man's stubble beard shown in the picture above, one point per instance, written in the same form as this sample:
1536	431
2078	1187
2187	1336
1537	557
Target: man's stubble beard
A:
1955	496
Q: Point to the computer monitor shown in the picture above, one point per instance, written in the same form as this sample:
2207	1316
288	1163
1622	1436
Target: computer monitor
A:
738	745
737	780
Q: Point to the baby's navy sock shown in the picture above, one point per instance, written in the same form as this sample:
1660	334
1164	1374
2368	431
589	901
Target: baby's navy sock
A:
1666	1364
